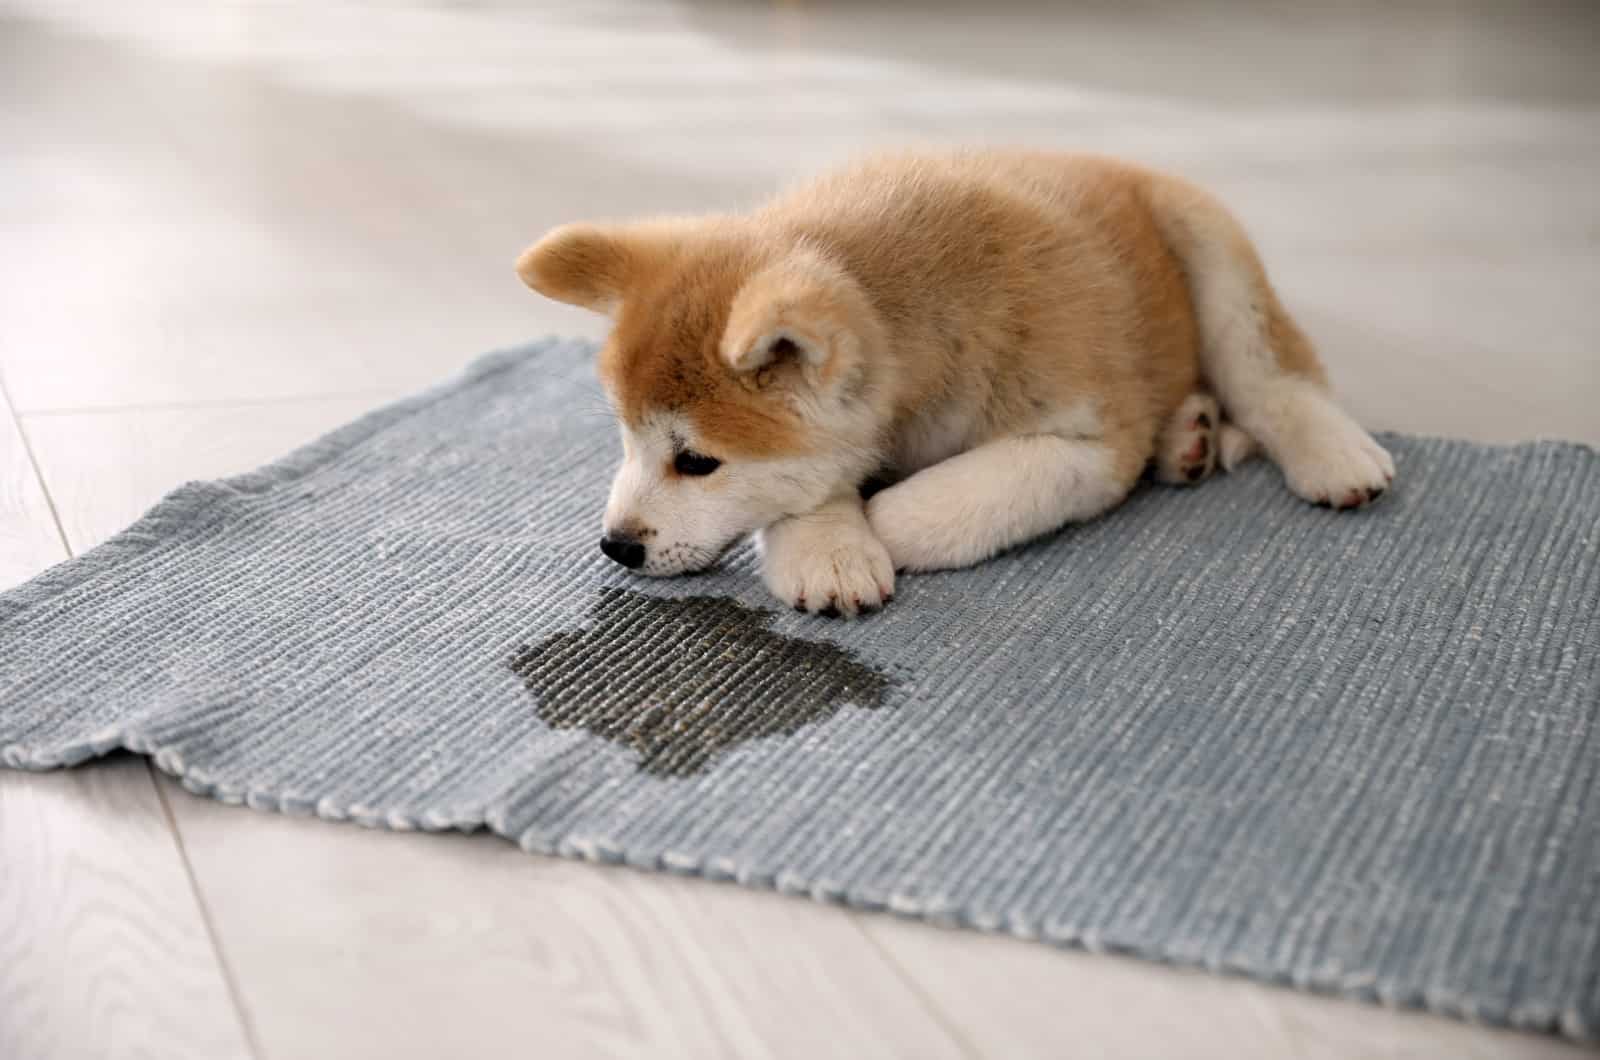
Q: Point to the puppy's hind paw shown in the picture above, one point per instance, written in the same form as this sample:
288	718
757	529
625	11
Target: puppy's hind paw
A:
1187	450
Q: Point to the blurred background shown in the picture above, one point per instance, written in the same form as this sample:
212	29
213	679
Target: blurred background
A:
240	201
228	227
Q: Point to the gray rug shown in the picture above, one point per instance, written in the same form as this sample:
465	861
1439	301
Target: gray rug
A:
1348	752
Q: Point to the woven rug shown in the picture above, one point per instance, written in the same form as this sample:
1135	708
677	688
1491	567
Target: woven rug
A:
1218	727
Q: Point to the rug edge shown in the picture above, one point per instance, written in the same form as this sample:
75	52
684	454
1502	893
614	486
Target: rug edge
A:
145	534
1568	1024
179	505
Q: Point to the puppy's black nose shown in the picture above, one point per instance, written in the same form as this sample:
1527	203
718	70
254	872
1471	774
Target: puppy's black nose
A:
625	550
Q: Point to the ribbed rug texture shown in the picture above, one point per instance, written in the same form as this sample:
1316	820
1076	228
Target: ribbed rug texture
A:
1218	727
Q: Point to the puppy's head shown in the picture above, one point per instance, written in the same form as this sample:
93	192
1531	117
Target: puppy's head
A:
739	366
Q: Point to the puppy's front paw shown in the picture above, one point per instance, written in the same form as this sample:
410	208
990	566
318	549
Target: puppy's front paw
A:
826	566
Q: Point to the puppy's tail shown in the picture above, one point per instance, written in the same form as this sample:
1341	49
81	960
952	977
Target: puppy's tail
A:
1248	341
1257	361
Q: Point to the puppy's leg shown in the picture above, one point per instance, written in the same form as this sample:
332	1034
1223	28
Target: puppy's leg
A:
827	561
1260	363
1326	457
980	502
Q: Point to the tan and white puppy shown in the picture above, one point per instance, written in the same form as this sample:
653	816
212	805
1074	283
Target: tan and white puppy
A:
1009	338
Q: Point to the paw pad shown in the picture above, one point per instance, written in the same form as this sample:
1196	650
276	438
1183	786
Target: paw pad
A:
1186	450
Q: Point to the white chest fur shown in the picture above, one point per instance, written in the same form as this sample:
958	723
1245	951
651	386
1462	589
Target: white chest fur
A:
932	436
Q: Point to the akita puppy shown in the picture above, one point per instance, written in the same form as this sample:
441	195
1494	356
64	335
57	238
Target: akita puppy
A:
1008	339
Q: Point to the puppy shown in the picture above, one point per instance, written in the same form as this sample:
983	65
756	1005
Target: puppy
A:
1008	338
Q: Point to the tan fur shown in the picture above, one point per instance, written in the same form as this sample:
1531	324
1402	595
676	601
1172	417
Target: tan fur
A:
1189	214
1012	280
910	308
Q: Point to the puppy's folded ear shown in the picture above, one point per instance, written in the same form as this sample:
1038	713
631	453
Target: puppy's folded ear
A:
803	313
595	266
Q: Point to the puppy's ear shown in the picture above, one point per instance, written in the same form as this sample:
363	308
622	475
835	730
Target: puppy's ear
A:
595	266
804	315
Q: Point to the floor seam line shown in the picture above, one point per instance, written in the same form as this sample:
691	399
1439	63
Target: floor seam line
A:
229	979
38	469
925	999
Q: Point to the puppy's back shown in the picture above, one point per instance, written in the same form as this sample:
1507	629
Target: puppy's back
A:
1021	273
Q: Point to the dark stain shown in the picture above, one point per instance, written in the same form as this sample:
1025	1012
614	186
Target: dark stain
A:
680	681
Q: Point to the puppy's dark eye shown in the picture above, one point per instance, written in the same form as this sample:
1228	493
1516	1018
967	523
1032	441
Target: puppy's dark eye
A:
687	463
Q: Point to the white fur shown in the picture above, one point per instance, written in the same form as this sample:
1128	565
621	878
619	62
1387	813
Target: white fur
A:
687	522
975	504
1234	447
1326	457
932	436
1079	420
827	559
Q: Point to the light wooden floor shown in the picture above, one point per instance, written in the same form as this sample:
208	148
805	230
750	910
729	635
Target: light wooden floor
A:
225	228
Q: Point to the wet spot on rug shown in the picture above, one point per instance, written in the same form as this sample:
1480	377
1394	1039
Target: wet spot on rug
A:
680	681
